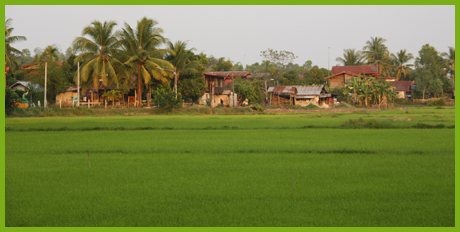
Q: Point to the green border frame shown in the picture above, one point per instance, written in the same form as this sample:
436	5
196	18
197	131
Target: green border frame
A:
209	2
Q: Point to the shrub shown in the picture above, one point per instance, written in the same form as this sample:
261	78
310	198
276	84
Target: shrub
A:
11	101
166	100
436	102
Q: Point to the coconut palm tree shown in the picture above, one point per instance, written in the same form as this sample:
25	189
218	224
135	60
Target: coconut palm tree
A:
351	58
400	61
98	54
141	53
377	54
450	62
180	58
10	52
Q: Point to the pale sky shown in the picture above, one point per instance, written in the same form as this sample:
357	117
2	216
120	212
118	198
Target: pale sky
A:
242	32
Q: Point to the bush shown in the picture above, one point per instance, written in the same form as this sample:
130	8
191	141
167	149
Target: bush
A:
436	102
166	100
11	101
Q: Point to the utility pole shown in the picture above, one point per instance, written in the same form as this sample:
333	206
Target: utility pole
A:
328	58
46	68
78	86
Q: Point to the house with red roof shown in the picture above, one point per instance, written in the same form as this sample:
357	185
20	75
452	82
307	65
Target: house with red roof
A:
403	88
344	74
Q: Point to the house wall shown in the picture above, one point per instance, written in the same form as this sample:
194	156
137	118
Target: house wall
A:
65	98
280	101
306	102
216	100
19	87
401	94
348	78
337	81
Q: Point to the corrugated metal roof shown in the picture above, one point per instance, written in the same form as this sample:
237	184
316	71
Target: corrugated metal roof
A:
27	84
229	74
282	90
309	90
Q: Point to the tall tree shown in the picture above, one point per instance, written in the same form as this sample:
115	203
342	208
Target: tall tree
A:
181	58
140	50
429	70
377	54
400	61
280	58
10	52
98	54
351	58
449	57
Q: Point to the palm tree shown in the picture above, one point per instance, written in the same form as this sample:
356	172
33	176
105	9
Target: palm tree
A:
10	52
400	60
377	54
98	54
142	54
351	58
180	58
450	62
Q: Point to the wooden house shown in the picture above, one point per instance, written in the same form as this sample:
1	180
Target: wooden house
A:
219	90
300	95
342	75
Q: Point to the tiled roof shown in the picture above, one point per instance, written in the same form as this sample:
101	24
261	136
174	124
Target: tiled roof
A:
373	69
401	85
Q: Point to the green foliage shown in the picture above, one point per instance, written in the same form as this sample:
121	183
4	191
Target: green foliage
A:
166	99
280	58
250	90
56	81
436	102
222	65
11	101
429	71
192	89
113	95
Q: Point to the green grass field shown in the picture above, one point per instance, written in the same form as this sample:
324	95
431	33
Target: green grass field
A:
215	176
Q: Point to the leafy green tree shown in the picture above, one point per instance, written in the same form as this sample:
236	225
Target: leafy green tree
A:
281	58
351	58
315	76
98	54
250	90
429	68
222	65
192	89
307	65
11	53
140	50
400	61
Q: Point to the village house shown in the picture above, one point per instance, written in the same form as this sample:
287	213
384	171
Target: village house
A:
402	88
344	74
219	89
67	98
300	95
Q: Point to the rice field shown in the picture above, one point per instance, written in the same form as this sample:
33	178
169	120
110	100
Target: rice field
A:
267	171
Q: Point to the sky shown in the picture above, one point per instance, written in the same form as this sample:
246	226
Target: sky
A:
240	33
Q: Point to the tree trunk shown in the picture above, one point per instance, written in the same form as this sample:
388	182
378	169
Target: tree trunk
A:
176	76
139	84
